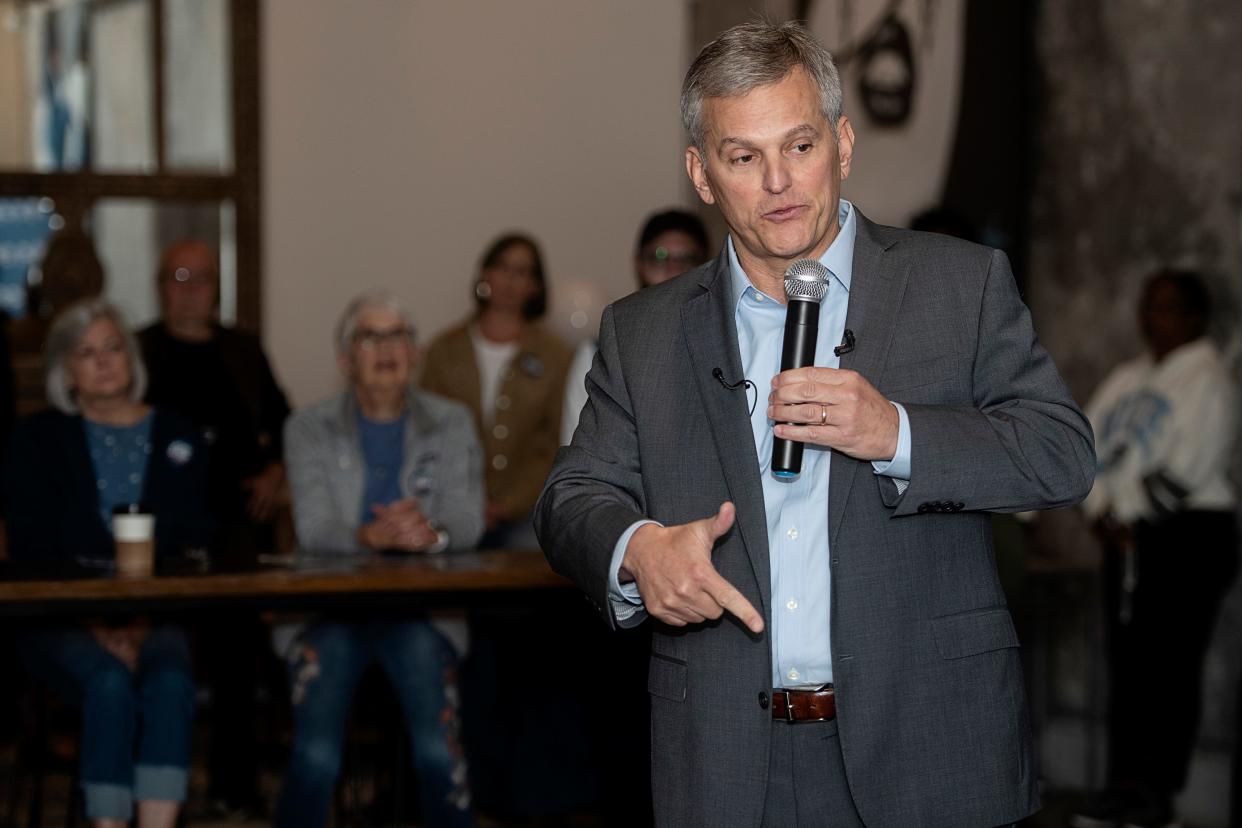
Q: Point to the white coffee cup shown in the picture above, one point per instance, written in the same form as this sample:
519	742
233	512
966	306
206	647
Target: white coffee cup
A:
134	534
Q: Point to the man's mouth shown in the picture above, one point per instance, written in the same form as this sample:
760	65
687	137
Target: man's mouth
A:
785	213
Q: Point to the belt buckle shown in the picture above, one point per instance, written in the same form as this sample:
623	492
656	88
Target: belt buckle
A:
789	711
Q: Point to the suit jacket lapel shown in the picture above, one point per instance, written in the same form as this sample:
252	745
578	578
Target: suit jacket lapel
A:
876	292
711	339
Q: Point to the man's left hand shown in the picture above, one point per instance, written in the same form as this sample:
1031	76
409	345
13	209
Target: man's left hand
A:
835	408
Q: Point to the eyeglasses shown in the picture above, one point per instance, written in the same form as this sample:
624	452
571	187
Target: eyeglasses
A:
369	339
185	276
662	257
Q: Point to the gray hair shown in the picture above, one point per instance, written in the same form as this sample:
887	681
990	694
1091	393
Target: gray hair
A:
65	334
757	54
348	322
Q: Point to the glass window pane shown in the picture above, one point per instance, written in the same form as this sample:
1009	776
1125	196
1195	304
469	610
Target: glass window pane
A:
123	133
198	107
75	85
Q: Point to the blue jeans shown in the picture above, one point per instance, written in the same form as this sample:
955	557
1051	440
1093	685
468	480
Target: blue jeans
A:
325	666
136	727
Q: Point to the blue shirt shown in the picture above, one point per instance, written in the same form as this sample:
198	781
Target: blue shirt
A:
797	510
119	459
383	449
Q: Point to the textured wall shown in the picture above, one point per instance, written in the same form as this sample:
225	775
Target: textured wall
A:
1140	160
1140	165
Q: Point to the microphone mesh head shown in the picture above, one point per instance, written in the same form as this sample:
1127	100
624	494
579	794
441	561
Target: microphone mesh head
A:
806	280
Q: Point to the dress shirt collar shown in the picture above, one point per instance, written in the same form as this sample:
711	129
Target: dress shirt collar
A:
838	258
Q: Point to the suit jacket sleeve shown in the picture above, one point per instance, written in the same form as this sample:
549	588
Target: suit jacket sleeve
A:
599	474
1023	444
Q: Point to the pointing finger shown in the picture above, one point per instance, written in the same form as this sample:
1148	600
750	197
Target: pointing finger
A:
734	603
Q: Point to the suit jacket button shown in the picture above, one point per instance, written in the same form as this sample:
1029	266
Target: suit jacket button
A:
959	506
924	508
763	700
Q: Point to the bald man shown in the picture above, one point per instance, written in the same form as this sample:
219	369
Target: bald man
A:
221	381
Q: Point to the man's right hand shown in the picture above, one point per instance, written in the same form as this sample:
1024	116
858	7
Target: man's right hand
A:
672	566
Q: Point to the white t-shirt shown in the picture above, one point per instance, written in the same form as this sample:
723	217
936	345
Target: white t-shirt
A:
575	389
1164	435
492	358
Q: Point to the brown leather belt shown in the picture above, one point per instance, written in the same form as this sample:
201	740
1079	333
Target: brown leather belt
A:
804	705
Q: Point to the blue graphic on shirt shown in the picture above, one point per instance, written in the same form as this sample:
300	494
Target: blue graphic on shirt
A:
1133	424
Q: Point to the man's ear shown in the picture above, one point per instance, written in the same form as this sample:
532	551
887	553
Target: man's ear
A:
698	175
845	145
344	363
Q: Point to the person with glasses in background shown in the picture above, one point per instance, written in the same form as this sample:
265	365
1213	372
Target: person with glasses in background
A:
219	378
381	467
510	372
670	243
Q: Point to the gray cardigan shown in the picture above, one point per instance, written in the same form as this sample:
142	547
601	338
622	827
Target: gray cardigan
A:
327	472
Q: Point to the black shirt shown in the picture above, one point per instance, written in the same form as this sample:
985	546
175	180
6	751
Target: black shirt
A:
226	388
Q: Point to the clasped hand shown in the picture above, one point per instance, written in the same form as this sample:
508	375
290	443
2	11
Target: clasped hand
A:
836	408
398	525
672	566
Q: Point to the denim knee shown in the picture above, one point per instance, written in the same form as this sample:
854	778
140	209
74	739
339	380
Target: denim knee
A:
316	759
169	686
110	691
168	697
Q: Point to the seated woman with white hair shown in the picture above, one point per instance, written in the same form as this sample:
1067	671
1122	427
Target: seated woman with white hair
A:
382	466
98	448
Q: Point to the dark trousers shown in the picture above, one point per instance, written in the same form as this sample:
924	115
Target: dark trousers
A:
806	779
1185	566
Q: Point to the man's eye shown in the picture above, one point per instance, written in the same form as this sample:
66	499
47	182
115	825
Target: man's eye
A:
743	159
803	147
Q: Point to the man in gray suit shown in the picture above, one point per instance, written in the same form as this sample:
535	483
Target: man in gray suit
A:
834	649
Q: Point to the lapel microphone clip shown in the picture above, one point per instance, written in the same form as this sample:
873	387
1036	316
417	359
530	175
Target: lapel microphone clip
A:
847	344
733	386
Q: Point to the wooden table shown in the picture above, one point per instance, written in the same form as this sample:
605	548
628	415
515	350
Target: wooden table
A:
304	582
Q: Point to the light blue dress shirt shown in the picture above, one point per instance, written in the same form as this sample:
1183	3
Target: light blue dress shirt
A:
797	509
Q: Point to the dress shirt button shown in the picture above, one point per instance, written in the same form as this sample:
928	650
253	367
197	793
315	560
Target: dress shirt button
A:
500	462
500	431
792	534
793	674
791	604
503	402
763	700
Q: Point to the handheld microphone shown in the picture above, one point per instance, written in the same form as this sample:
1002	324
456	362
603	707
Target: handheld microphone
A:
806	285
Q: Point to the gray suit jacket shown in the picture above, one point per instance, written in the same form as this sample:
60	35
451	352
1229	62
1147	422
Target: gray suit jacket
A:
931	707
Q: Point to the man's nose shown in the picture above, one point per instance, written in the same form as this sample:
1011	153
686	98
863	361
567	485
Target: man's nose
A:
776	177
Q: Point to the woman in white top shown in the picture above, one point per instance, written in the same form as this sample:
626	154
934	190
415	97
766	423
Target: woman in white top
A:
510	373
